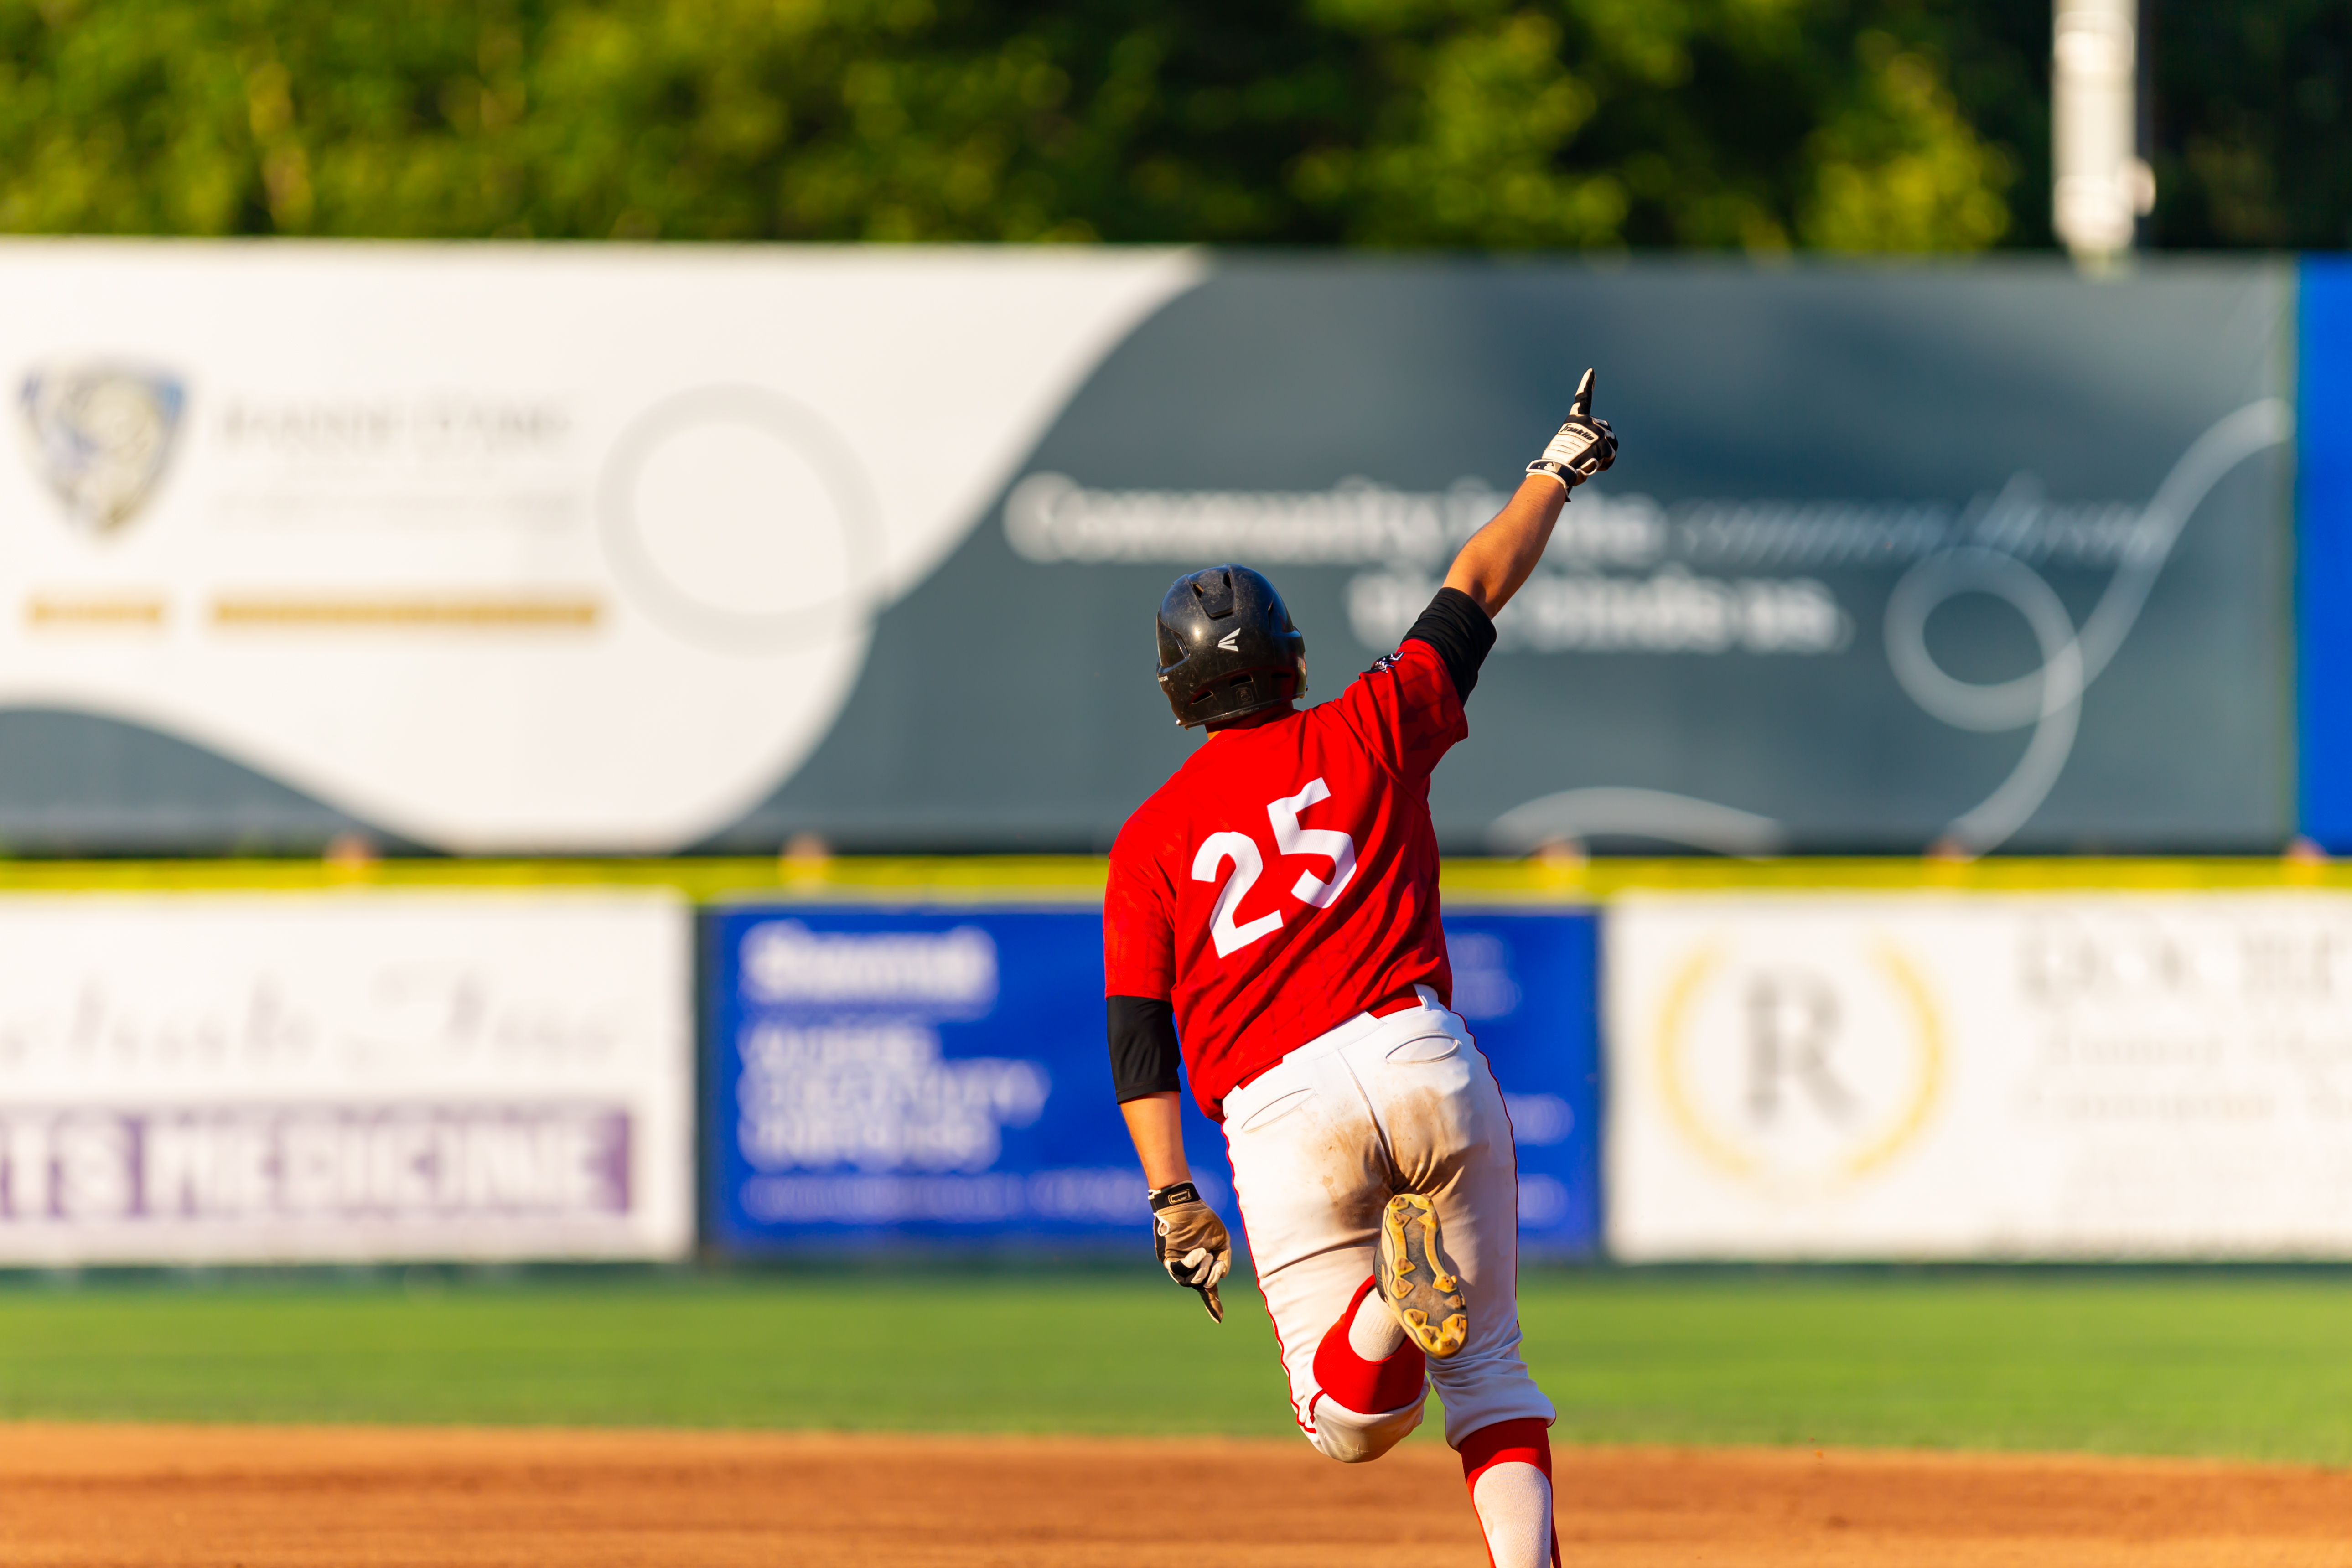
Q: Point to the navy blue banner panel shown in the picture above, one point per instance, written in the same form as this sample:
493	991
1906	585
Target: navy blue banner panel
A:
2324	552
896	1076
2008	567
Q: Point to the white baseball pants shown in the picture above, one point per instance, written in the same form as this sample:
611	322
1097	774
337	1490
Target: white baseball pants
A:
1321	1143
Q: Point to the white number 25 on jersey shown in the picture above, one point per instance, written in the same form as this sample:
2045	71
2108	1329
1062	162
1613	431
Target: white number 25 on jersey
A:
1289	838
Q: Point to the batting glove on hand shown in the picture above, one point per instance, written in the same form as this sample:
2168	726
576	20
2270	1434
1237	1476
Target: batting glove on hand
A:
1191	1243
1584	445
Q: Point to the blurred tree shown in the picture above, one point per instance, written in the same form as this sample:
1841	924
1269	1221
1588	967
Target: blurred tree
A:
2253	115
2248	112
1757	123
1760	123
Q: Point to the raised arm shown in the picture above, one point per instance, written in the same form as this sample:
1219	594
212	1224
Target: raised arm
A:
1499	557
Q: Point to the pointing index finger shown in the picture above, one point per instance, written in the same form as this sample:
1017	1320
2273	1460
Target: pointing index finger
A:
1583	404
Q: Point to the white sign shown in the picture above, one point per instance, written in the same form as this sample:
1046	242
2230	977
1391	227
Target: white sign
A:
878	1095
1935	1076
511	548
356	1076
785	961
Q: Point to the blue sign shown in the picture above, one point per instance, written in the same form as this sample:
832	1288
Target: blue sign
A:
886	1076
2324	553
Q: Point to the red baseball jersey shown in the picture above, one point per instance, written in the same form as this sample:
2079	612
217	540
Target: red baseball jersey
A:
1286	878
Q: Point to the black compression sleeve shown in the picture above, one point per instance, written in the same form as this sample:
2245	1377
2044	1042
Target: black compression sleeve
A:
1143	1055
1459	630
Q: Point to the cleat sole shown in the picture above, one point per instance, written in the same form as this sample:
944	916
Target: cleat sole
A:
1413	1280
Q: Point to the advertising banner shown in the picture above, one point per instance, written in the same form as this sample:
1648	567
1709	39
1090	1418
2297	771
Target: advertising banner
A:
2323	552
274	1077
634	549
487	547
1925	1076
916	1076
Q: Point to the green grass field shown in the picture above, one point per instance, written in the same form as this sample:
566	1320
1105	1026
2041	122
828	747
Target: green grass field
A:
2248	1365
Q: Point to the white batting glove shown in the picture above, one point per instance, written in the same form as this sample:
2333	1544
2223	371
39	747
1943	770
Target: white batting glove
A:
1191	1243
1584	445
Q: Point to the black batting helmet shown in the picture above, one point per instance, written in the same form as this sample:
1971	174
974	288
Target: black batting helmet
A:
1227	646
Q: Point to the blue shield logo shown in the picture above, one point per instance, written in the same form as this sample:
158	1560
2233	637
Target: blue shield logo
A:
101	435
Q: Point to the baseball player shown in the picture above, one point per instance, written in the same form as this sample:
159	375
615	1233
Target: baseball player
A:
1271	923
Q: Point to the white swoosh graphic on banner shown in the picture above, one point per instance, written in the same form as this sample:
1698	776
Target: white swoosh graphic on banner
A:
512	548
2048	698
1576	815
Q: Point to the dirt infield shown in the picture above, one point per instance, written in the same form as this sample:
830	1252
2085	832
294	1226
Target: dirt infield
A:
261	1496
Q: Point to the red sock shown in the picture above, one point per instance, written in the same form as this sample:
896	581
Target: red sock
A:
1367	1387
1526	1441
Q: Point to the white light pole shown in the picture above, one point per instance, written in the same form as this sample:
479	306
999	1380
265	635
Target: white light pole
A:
2099	184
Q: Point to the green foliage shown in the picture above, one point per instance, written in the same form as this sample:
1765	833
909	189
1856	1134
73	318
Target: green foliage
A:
1744	124
1497	123
2248	1366
2254	122
1896	168
2248	113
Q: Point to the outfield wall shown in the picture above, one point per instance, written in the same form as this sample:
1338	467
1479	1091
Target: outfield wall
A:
877	1077
1836	1075
241	1076
216	1061
514	548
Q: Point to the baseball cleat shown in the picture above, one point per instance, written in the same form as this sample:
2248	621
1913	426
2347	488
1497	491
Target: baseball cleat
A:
1413	1281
